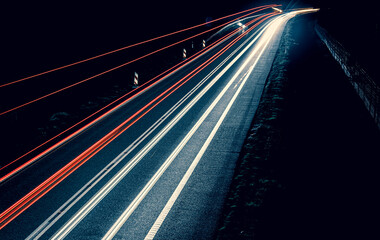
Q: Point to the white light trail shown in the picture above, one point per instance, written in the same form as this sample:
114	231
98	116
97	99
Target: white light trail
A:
262	44
277	9
130	209
67	228
265	40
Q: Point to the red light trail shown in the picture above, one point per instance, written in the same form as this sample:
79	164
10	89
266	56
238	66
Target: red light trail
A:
174	68
61	142
20	206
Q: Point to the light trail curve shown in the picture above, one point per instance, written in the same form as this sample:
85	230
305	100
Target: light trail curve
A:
169	72
20	206
122	173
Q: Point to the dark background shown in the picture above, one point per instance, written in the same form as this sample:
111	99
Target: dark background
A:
39	35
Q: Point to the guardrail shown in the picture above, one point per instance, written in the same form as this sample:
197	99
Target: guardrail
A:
366	88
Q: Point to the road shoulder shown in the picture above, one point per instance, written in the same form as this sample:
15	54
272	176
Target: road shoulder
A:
307	166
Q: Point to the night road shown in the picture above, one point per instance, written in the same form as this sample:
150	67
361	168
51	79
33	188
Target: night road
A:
159	163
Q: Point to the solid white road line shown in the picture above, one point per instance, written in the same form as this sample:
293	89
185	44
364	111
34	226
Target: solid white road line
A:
135	203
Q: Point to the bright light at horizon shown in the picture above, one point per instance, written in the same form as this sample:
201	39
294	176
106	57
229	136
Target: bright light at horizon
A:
306	10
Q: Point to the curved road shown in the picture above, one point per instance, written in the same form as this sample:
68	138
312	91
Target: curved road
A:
158	166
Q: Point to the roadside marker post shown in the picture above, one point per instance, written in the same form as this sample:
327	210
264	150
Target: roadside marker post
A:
184	53
203	44
136	80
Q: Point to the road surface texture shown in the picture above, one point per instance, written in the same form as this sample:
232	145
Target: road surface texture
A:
308	169
159	165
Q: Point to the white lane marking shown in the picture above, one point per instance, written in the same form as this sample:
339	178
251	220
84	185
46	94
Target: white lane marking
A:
165	211
135	203
66	229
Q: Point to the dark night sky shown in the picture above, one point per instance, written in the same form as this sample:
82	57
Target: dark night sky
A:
63	31
39	31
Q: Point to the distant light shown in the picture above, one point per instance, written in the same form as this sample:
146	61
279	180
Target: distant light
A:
277	9
241	25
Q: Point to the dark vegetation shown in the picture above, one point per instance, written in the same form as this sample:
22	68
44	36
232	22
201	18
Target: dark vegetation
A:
307	170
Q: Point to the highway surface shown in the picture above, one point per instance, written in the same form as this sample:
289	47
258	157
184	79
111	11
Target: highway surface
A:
159	165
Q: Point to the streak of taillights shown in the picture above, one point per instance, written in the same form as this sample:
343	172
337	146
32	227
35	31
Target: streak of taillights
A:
29	162
160	76
85	209
20	206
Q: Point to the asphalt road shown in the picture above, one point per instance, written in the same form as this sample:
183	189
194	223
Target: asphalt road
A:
158	166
